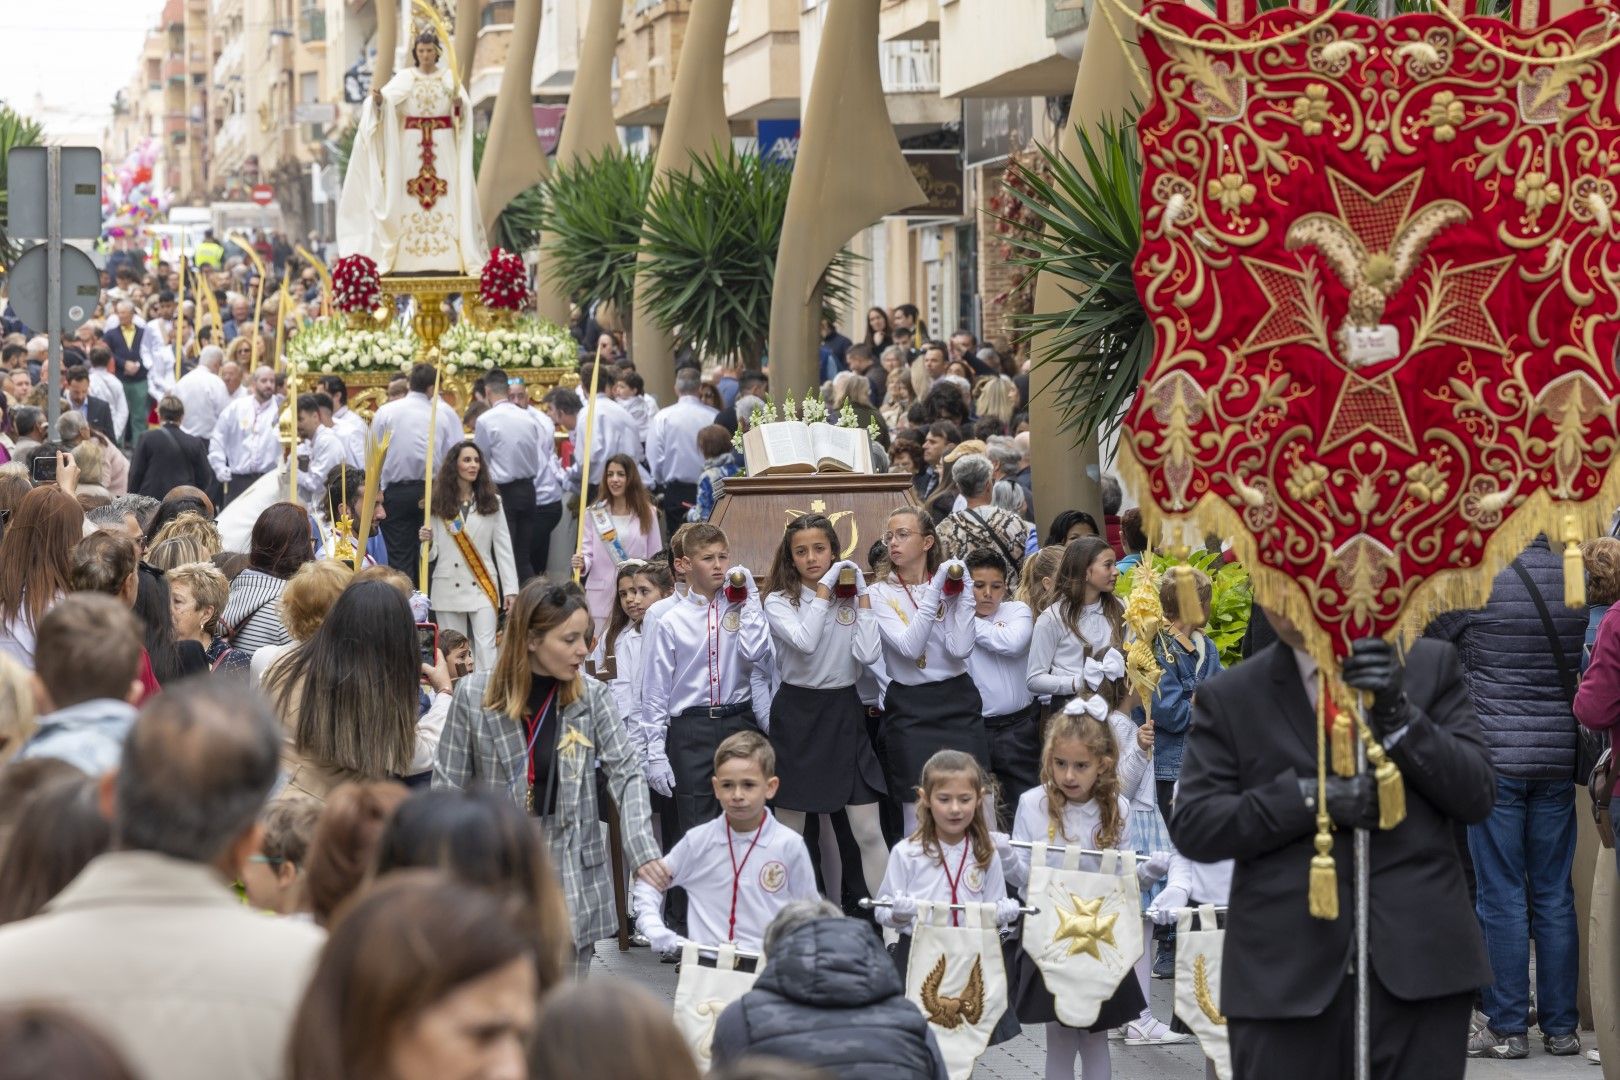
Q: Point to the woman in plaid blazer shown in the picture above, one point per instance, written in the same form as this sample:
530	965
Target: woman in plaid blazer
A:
534	730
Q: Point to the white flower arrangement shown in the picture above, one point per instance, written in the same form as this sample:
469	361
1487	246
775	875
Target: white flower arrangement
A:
330	347
529	343
812	410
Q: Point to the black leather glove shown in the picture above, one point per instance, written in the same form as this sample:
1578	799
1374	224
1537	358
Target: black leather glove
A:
1374	666
1352	801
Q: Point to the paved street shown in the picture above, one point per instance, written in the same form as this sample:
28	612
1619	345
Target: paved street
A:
1022	1058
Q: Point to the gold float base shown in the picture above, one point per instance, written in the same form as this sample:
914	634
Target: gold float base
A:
432	295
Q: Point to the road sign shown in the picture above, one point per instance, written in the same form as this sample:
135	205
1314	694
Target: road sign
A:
263	194
28	196
30	280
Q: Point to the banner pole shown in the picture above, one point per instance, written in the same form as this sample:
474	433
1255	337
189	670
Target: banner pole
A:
427	485
585	461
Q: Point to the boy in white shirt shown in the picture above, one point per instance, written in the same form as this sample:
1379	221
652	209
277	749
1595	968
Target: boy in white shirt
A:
999	667
698	661
739	869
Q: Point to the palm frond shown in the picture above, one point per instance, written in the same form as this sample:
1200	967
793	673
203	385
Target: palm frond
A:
1083	227
711	237
15	130
590	214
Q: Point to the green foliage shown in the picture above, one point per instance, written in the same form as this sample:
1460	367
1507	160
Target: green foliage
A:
1083	226
15	130
1229	602
590	214
518	228
711	237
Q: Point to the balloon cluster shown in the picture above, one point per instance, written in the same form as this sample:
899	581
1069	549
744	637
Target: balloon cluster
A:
356	285
504	284
129	199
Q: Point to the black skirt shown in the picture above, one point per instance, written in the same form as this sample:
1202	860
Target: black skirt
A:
1008	1026
823	757
919	721
1035	1004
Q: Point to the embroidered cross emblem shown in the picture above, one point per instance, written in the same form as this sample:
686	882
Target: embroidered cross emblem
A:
426	187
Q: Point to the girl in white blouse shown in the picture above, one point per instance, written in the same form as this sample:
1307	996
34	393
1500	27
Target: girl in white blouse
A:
823	642
926	626
1077	647
617	657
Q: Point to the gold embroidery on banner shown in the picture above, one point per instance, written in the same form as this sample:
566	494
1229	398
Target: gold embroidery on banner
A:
951	1012
1085	927
1203	994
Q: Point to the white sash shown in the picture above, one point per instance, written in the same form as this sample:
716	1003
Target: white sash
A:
957	978
610	535
1087	934
1198	985
703	993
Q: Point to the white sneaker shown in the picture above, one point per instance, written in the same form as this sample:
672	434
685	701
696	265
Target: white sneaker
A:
1592	1056
1152	1032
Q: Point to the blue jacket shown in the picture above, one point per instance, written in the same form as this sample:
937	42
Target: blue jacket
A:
88	736
1510	672
1172	701
831	998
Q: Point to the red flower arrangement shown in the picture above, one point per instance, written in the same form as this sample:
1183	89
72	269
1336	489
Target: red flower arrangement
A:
504	284
356	286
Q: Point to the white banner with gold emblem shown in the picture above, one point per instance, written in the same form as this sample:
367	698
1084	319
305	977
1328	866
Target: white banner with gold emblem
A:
957	978
703	993
1198	985
1087	933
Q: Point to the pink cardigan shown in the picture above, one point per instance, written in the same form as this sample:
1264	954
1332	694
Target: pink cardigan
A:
600	595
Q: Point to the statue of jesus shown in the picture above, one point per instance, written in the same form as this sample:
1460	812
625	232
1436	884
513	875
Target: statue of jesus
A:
409	200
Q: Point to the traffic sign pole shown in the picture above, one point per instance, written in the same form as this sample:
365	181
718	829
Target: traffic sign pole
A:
53	287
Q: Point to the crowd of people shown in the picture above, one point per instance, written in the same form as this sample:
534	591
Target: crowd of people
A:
431	790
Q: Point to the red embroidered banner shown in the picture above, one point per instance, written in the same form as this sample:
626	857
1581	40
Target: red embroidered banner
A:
1379	260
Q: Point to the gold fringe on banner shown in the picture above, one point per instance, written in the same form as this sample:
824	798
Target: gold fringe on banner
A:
1449	589
1324	887
1574	565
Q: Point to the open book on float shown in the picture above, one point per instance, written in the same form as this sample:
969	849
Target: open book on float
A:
792	446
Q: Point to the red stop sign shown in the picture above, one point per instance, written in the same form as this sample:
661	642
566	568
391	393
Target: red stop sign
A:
263	194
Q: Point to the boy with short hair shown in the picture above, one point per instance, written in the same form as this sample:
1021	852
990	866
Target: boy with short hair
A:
87	663
739	869
696	674
274	877
1002	629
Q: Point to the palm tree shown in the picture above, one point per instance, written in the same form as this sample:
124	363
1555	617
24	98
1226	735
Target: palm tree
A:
590	216
15	130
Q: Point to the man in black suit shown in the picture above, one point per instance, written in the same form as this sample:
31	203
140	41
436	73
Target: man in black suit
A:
127	342
93	409
1248	792
169	458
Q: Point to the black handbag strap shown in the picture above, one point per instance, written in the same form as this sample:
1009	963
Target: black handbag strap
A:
1566	674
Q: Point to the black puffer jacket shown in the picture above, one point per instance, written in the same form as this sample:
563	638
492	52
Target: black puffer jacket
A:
829	997
1510	671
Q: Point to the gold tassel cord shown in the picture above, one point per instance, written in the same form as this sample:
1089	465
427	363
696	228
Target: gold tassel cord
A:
1574	565
1344	745
1324	887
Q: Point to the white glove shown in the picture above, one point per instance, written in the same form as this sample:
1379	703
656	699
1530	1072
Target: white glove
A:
829	580
903	909
1007	911
748	577
1004	848
944	572
1164	906
860	579
665	941
660	777
1154	867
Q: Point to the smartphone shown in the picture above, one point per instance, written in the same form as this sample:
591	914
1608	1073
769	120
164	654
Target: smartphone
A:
427	640
43	470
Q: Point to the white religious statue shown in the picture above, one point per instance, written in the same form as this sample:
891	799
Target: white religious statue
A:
409	200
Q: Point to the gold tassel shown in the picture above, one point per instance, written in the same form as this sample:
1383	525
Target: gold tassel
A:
1324	888
1574	566
1391	794
1187	595
1344	747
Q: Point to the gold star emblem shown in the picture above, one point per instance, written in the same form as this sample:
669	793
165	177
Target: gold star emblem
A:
1086	927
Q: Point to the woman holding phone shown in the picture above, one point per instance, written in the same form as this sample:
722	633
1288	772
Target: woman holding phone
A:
474	576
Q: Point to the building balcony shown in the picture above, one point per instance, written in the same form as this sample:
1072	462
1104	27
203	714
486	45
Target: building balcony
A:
174	123
999	48
174	68
910	71
489	63
174	13
762	61
557	55
648	49
908	20
1066	24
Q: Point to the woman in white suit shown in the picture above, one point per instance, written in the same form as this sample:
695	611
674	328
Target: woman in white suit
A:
473	575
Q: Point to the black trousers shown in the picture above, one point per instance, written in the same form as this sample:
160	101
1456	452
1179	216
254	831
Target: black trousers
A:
693	738
517	503
403	502
238	484
1411	1040
1015	758
546	519
678	495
